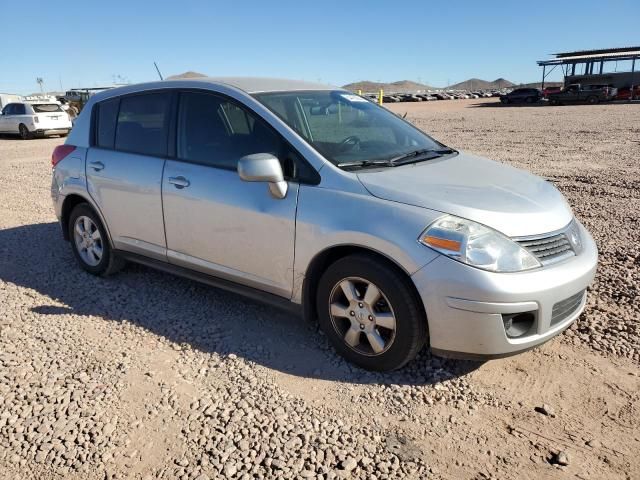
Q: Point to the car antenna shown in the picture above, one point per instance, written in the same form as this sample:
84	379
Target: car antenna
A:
158	70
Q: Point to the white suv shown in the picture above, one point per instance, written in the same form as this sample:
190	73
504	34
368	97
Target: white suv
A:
34	119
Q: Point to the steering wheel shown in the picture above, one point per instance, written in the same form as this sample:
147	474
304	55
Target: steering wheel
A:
349	143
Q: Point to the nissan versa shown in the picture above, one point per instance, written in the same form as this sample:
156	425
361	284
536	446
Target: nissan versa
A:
310	196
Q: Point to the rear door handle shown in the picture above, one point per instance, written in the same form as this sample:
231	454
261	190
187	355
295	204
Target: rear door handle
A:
179	182
97	166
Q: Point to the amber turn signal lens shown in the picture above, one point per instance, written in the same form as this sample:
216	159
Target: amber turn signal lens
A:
438	242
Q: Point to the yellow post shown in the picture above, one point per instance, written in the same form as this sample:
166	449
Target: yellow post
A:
360	92
380	95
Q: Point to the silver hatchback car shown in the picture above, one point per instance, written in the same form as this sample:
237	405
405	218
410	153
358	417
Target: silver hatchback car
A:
312	197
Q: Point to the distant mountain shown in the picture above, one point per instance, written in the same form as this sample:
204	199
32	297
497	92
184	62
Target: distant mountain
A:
401	86
188	74
478	84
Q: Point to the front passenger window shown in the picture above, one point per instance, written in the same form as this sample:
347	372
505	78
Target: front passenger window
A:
216	132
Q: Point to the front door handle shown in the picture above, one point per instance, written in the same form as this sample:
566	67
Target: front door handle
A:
179	182
97	166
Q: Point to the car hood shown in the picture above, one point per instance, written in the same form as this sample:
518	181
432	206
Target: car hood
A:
505	198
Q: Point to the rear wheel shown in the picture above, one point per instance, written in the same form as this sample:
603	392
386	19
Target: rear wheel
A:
592	100
370	313
90	243
25	134
529	99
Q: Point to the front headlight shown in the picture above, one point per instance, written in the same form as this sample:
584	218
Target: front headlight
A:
476	245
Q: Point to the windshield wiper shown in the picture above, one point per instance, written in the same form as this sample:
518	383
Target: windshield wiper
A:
365	163
405	158
419	155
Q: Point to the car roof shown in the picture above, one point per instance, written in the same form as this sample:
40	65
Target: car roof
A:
247	84
264	84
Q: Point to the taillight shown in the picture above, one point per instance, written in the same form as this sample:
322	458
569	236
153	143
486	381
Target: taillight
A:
60	152
35	119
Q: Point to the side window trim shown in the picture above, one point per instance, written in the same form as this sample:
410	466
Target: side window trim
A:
172	128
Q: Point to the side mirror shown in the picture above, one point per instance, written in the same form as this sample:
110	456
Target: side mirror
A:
264	167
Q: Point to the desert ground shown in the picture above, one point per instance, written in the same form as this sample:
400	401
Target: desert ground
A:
145	375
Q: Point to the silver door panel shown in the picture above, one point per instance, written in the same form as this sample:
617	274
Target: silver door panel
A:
128	192
226	227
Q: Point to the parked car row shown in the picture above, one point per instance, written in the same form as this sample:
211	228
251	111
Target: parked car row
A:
574	93
432	96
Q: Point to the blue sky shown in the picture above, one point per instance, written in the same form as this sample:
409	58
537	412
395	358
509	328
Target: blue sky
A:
332	41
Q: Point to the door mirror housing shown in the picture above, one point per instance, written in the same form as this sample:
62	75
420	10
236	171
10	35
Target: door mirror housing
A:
264	167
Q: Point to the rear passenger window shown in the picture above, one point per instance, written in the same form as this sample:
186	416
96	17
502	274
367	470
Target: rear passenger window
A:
213	131
106	124
143	124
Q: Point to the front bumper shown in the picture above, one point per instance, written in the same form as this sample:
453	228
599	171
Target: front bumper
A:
465	305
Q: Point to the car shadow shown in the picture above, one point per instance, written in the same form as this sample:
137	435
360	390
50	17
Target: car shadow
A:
186	312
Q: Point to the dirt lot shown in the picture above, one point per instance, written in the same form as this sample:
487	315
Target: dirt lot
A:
144	375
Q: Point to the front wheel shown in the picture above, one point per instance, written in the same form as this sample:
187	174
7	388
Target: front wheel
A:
370	313
90	244
592	100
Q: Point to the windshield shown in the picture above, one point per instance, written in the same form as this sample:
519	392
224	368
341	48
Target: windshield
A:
46	108
347	128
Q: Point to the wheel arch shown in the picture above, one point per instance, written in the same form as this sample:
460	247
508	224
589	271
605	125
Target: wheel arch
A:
69	203
327	257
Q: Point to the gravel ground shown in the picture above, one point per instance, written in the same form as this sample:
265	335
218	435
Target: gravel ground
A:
145	375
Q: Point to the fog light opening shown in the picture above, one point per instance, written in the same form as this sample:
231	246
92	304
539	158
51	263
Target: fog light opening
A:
518	324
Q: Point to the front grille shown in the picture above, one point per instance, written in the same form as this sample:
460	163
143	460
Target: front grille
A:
565	308
550	249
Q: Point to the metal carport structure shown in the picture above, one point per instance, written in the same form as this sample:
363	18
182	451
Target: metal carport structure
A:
593	62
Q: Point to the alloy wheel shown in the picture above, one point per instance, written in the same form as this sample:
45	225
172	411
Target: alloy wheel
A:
88	240
362	315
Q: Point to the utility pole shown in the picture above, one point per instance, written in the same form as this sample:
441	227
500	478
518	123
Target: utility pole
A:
40	81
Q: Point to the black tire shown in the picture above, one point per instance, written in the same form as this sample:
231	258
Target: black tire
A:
411	327
592	100
109	262
529	100
553	101
25	134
